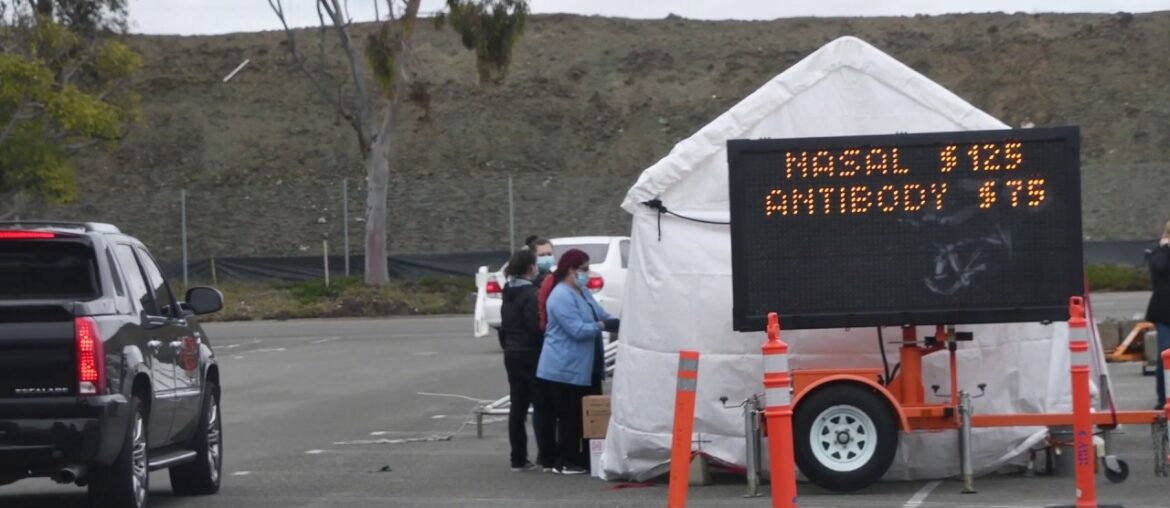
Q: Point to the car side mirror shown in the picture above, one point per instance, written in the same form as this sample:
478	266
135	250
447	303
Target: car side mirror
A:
204	300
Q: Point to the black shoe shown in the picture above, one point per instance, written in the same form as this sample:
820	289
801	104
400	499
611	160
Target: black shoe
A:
528	466
570	470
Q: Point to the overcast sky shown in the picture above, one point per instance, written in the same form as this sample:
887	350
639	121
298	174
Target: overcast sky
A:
224	16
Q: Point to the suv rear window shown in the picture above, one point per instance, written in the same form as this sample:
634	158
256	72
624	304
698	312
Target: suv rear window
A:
47	270
596	251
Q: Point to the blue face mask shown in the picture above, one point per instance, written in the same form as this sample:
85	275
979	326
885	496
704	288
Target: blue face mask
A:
546	263
582	279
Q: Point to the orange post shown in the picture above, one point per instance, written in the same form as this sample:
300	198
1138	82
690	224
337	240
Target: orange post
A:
912	392
684	426
778	397
1166	377
1078	346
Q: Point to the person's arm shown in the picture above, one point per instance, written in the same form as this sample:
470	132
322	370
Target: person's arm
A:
532	316
1160	259
562	309
542	301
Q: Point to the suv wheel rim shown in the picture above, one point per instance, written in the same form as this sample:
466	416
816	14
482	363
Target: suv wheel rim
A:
214	439
138	464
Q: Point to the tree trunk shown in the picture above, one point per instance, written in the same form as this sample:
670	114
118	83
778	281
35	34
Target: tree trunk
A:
377	189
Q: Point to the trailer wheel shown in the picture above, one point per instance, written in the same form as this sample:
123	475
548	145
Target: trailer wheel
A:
844	437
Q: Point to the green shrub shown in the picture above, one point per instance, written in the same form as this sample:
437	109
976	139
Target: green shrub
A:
345	297
314	290
1104	277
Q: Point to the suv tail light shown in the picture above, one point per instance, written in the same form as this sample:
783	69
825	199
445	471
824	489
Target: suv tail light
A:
91	357
26	235
596	283
493	288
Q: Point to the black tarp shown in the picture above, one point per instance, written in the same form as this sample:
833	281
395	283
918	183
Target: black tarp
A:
412	267
269	269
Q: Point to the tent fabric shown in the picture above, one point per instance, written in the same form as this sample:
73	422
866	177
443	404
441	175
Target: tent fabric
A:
679	295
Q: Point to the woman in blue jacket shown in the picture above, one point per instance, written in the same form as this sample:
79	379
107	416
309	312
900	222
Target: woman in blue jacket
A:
571	363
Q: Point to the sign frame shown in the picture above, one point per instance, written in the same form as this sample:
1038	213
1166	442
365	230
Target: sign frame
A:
1072	241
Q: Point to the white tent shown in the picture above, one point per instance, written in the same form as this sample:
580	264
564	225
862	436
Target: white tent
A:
679	283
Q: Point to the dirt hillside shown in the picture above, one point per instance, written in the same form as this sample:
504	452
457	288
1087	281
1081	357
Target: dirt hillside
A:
590	102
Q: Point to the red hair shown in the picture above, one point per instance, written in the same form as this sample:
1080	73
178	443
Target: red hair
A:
570	260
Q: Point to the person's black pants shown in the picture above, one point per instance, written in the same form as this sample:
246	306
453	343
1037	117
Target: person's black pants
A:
564	420
521	367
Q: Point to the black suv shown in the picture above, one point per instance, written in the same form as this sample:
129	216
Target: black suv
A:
104	374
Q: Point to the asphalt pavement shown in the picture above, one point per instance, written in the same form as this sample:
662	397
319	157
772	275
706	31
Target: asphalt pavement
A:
375	413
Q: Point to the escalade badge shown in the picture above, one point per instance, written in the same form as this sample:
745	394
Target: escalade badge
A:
40	391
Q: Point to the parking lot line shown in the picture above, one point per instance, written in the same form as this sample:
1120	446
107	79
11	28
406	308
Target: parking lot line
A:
920	496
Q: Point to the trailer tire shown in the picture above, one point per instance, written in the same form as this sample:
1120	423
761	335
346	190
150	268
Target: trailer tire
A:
844	436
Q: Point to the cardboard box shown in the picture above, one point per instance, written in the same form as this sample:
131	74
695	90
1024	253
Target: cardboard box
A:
595	411
1111	335
596	446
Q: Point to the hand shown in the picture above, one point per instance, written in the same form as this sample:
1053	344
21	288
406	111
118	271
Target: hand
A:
1165	241
601	324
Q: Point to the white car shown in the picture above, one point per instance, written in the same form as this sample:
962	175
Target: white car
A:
608	258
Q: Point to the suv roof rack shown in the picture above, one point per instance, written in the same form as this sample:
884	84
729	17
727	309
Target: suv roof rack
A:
89	227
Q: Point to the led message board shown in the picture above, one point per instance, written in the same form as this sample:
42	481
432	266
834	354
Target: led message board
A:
906	229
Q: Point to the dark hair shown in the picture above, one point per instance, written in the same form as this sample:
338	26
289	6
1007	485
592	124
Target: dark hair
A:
569	260
537	242
531	241
520	263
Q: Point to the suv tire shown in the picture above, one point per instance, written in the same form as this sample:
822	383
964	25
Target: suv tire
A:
126	482
202	477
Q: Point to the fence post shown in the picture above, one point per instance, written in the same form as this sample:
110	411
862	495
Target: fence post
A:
511	218
325	257
345	221
183	221
778	397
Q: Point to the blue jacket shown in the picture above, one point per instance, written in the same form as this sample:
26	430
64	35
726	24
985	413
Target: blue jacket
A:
572	341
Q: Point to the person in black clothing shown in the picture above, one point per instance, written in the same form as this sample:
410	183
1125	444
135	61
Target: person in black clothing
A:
523	339
1158	312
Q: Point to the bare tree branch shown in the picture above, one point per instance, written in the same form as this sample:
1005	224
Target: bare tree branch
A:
403	81
335	101
89	54
322	37
365	104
